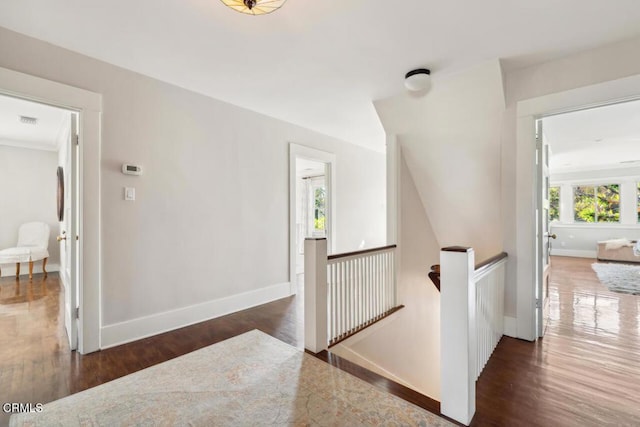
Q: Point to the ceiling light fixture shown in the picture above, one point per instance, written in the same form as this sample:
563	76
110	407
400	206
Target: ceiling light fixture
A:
254	7
418	80
28	120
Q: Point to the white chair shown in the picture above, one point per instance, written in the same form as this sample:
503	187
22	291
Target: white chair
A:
33	244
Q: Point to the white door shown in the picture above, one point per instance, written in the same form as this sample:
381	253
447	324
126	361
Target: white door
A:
68	235
542	231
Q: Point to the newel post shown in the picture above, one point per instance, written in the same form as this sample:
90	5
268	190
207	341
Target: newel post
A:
457	333
316	335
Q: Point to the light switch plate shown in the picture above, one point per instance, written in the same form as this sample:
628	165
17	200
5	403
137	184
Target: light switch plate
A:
129	193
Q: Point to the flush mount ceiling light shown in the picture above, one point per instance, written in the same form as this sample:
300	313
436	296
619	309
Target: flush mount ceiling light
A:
418	80
254	7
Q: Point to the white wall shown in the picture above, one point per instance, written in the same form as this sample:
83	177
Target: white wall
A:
603	64
211	216
28	192
451	138
407	347
450	192
581	240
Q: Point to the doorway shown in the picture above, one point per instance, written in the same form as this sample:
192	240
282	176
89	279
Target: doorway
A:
88	106
39	181
526	185
311	205
590	186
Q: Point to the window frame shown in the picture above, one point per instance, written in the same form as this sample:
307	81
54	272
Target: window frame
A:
595	202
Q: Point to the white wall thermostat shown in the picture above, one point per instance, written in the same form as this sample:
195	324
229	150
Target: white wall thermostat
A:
128	169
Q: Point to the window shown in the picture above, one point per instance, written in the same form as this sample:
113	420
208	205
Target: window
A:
596	203
319	208
554	204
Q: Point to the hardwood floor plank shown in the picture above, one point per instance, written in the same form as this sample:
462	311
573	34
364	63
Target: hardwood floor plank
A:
585	372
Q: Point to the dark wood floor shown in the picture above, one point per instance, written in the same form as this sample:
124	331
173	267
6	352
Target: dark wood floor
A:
585	372
36	365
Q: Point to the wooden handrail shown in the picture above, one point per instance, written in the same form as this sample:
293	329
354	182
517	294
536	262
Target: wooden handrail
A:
434	275
485	265
490	262
364	251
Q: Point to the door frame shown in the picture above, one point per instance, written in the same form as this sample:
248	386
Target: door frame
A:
528	111
297	151
543	230
88	105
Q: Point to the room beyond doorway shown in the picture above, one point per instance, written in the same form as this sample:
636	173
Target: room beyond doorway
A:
591	182
311	204
88	106
39	175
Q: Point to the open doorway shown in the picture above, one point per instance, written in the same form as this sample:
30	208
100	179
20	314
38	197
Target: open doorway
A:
311	206
589	180
311	203
39	183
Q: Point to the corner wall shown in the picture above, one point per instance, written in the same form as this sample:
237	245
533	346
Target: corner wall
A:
451	140
208	232
406	347
28	193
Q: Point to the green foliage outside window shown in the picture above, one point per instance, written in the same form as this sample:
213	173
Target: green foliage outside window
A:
319	209
554	204
597	204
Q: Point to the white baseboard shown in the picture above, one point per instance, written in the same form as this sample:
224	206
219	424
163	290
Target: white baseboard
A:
574	253
142	327
10	269
510	327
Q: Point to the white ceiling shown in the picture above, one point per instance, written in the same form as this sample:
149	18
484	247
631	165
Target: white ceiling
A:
306	167
319	63
604	137
45	135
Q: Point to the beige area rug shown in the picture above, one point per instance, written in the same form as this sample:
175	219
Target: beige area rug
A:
249	380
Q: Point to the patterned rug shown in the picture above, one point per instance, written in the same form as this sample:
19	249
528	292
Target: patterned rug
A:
619	277
249	380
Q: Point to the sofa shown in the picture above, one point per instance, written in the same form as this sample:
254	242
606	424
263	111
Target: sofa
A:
617	250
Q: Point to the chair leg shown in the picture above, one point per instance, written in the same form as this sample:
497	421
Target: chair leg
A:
17	270
30	270
44	265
